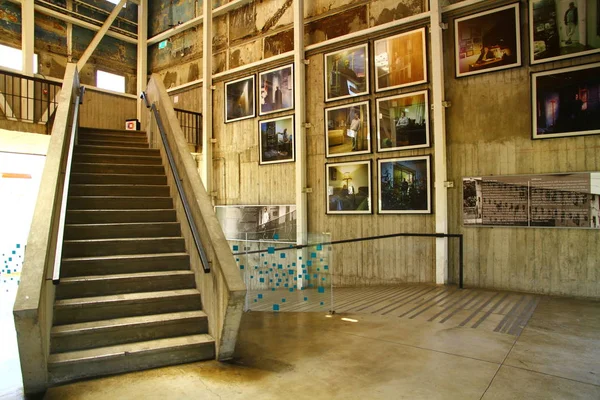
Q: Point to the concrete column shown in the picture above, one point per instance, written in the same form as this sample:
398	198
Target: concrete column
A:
142	55
27	50
207	109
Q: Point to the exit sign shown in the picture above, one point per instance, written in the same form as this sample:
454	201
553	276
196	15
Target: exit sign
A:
162	44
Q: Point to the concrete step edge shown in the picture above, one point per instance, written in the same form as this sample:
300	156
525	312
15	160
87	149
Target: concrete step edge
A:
116	277
126	256
133	239
119	224
123	298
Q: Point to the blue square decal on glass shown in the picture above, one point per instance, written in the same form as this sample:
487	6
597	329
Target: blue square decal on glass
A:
275	307
319	247
262	280
313	255
282	255
241	267
321	289
235	247
271	250
283	300
309	263
326	267
276	236
18	246
260	296
306	299
322	303
291	290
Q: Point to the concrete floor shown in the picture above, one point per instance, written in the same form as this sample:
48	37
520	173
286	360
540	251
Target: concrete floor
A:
312	356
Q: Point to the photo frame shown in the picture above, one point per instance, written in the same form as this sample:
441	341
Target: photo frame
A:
487	41
565	103
400	60
403	121
276	139
559	30
404	185
348	130
348	188
276	90
239	99
347	73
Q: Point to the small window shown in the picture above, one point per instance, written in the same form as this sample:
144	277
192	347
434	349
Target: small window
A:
108	81
115	2
13	58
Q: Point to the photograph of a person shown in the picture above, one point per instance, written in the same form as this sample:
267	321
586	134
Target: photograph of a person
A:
348	130
487	41
561	29
566	102
401	60
258	222
348	187
347	73
276	140
472	201
239	97
403	121
276	90
404	185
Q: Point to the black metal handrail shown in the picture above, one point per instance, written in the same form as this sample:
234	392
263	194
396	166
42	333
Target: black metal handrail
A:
191	125
363	239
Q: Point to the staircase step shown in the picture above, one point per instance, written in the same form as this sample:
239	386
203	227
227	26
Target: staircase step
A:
108	231
111	332
121	143
110	132
116	159
86	309
102	149
64	367
117	179
103	285
113	216
119	190
105	247
113	137
118	203
82	266
87	167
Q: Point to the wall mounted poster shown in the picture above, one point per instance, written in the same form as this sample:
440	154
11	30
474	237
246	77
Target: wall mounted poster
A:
276	90
404	185
566	102
348	130
277	140
403	122
550	200
349	187
487	41
239	97
262	222
563	28
401	60
347	73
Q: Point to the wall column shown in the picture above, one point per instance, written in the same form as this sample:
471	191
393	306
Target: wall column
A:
27	50
207	109
142	55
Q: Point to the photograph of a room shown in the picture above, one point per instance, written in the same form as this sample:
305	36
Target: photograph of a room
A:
564	28
277	90
404	185
488	41
277	140
403	121
346	73
349	187
400	60
348	129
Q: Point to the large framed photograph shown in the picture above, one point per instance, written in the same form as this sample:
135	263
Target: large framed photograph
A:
404	185
488	41
348	187
276	140
276	90
258	222
347	73
401	60
239	96
563	28
348	130
565	102
403	121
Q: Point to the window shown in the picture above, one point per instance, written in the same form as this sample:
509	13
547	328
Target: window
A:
13	58
115	2
108	81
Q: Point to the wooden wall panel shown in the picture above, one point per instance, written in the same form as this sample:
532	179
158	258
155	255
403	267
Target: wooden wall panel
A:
106	111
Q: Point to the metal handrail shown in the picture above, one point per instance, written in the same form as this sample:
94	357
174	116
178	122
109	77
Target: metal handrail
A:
191	125
363	239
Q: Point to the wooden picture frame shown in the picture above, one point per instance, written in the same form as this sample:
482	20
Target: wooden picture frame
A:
352	192
348	130
276	90
276	140
404	185
239	99
347	73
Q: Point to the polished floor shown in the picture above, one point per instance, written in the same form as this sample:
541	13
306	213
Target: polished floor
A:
554	354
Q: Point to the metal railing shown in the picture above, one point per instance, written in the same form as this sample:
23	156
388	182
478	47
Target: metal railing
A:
191	125
23	98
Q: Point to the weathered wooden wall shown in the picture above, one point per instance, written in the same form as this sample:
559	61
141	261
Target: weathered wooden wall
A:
106	111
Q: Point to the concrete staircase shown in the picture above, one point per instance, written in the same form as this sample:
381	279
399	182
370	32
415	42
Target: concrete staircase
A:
127	299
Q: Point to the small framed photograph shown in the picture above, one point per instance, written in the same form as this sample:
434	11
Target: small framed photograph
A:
276	140
239	97
347	73
276	90
403	121
565	102
496	41
404	185
349	187
560	29
348	130
401	60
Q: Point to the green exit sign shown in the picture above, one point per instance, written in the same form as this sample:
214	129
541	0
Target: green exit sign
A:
162	44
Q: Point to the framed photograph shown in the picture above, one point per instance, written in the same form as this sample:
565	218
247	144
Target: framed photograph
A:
276	90
276	140
348	130
258	222
239	97
400	60
561	29
349	187
487	41
403	121
347	73
404	185
565	102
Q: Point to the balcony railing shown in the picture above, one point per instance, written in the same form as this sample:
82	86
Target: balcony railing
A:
191	125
